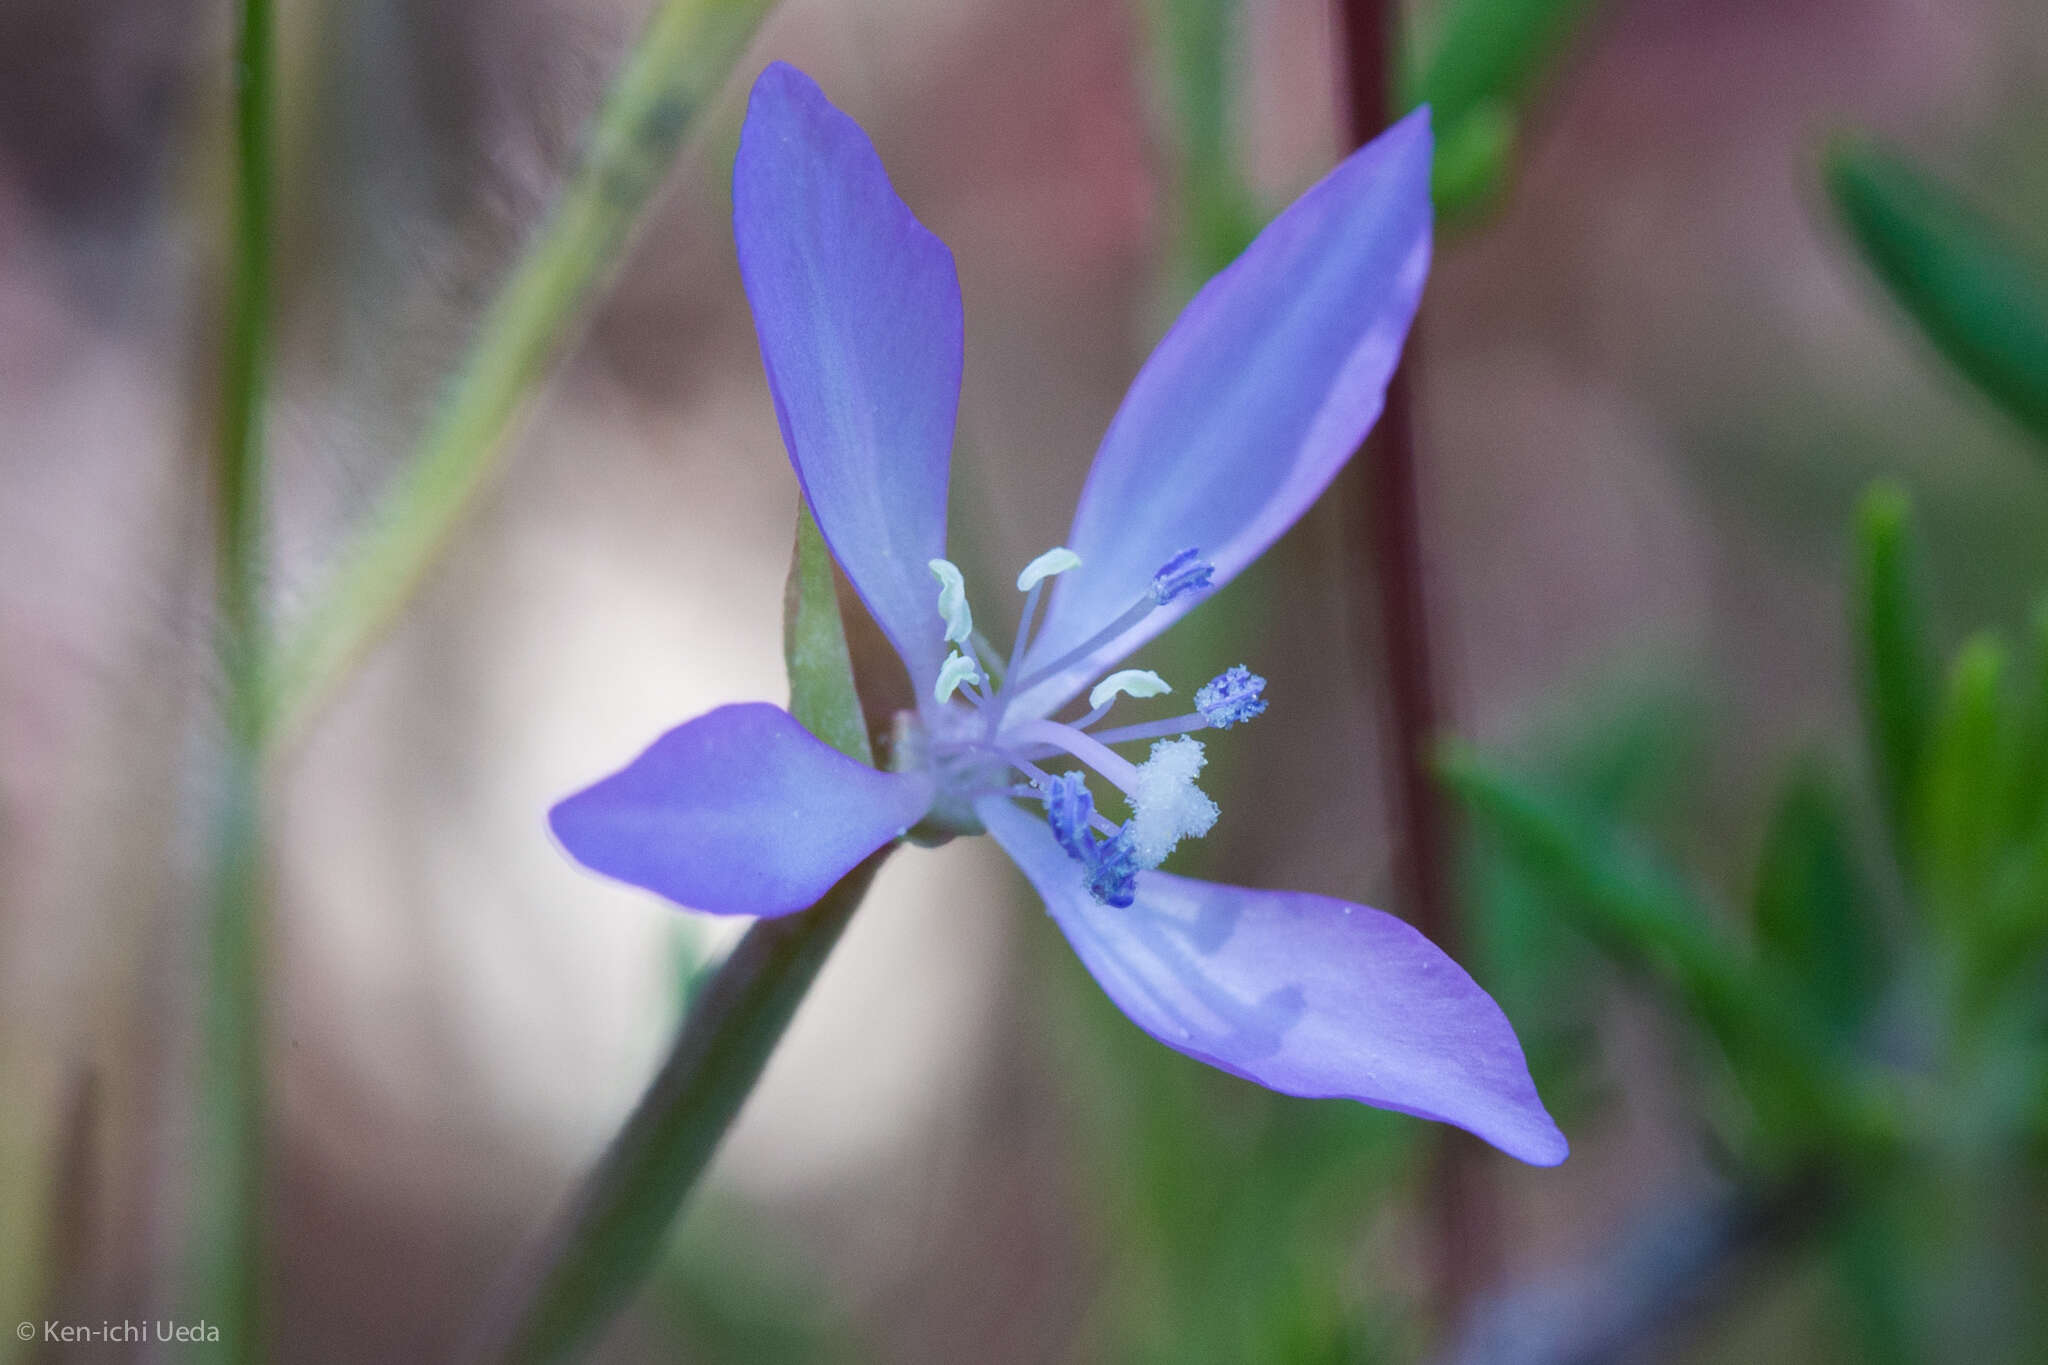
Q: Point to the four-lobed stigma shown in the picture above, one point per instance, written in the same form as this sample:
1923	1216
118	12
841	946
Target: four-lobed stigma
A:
980	748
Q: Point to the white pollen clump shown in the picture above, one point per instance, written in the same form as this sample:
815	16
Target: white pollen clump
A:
1166	805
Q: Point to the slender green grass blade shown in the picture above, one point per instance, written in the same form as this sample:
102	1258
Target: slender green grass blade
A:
612	1236
1895	660
682	57
1972	292
225	1263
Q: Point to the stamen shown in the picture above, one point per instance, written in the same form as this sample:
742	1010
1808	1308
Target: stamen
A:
1112	765
1131	682
1113	871
1068	810
1186	572
957	669
1057	560
1110	866
1137	612
953	601
1231	697
985	651
1154	729
1041	780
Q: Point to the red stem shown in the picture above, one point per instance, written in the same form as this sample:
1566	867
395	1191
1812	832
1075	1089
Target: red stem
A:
1386	510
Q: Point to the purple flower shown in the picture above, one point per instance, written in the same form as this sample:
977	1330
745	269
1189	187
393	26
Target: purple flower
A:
1255	398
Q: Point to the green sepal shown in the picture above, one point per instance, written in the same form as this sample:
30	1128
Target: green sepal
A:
821	689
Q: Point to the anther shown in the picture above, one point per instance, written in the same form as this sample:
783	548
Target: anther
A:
1186	572
957	670
1130	682
953	601
1231	697
1057	560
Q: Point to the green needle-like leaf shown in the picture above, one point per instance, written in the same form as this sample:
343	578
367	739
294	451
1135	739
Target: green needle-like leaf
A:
1814	908
682	57
1981	302
1624	898
613	1234
1895	659
1960	800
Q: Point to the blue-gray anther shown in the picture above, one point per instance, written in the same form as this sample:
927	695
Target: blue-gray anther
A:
1230	697
1186	572
1113	871
1068	809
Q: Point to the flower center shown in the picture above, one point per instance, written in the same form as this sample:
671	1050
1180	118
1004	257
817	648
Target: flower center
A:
978	749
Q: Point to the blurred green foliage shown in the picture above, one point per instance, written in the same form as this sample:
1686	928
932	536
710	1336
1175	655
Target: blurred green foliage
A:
1882	1007
1479	74
1972	291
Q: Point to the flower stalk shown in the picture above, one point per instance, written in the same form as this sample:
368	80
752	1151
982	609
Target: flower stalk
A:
1386	509
611	1235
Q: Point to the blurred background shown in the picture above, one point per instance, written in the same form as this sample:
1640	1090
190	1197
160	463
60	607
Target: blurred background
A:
1657	367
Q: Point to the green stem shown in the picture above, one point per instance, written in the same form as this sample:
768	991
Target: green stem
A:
609	1239
679	62
228	1211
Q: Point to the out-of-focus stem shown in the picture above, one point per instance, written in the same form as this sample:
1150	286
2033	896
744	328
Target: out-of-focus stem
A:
1387	515
677	65
227	1262
610	1237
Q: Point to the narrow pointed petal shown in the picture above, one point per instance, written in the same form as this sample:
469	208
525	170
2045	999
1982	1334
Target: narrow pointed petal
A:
1302	994
858	312
1254	400
741	811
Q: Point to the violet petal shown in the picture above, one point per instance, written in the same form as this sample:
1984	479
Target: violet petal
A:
858	312
741	811
1303	994
1253	401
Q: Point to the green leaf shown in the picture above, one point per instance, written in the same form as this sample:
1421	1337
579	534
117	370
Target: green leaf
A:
674	69
1895	660
1814	908
821	691
1473	158
1624	898
1960	799
2027	798
1981	302
1488	58
1614	890
1193	44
